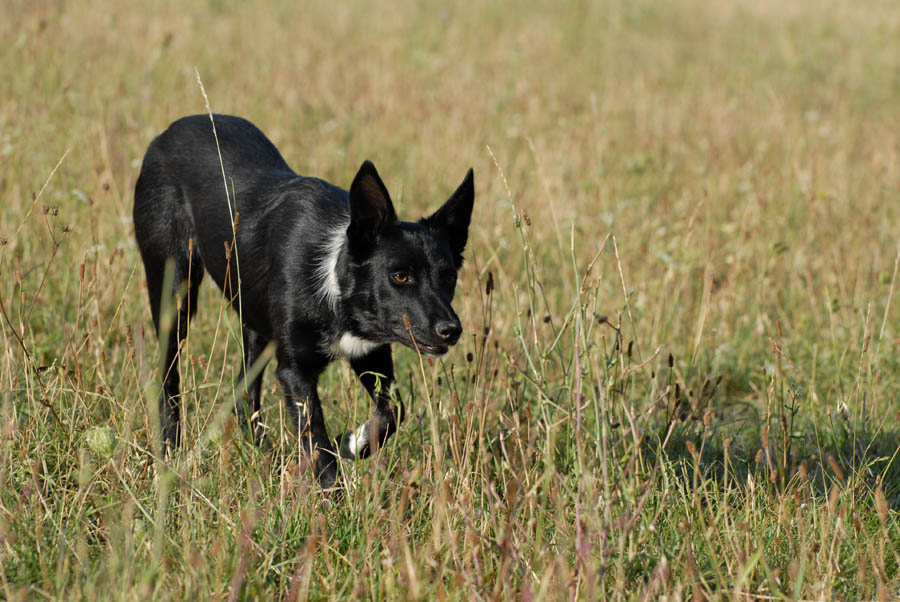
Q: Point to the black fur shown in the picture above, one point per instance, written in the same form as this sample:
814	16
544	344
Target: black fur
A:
323	271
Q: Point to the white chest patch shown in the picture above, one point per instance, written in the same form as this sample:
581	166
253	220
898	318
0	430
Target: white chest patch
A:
351	346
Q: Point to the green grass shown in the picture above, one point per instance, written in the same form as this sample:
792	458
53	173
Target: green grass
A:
683	381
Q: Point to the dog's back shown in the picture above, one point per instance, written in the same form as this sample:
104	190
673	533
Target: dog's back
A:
188	153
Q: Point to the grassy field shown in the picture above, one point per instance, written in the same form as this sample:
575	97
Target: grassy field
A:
679	376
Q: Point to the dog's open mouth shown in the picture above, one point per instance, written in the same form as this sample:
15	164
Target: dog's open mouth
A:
434	350
424	348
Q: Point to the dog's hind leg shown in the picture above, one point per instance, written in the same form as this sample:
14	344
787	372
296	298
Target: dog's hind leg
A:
163	232
376	372
249	394
169	399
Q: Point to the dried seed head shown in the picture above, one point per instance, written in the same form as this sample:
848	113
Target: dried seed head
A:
671	360
489	286
526	218
45	209
881	504
630	344
759	456
707	418
691	448
2	240
469	357
833	496
835	467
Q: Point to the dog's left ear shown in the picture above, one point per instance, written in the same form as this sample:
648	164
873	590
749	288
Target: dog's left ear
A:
453	218
371	208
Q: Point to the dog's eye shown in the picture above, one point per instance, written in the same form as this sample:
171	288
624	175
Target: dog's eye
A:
400	277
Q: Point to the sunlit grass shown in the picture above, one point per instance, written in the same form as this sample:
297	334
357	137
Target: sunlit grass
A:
679	373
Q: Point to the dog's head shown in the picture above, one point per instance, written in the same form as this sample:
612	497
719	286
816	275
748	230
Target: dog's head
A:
400	277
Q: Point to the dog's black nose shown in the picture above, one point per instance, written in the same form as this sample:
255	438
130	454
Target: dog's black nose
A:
449	330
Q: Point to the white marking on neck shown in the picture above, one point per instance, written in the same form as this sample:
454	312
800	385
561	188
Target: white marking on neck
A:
351	346
329	289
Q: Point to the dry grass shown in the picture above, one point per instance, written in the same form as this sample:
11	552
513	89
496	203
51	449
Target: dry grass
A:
721	181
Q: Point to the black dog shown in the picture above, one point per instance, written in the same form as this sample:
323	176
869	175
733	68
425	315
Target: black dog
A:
320	271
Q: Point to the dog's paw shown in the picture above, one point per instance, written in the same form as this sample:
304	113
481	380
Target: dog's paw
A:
354	444
327	472
357	441
343	444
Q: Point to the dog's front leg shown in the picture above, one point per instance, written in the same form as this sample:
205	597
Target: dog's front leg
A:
249	395
376	373
305	410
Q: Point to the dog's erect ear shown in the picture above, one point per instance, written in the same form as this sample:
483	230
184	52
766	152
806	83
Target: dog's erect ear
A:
453	218
370	207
